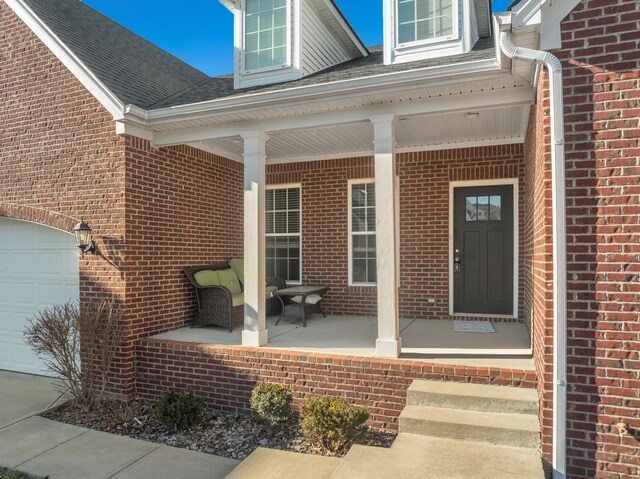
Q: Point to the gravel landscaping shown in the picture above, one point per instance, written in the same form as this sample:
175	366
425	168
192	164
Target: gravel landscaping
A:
220	433
13	474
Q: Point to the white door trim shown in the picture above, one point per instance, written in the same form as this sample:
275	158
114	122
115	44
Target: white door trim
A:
516	236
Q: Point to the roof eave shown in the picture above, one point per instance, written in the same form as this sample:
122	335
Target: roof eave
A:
308	93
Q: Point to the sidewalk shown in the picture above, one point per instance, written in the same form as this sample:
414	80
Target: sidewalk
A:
61	451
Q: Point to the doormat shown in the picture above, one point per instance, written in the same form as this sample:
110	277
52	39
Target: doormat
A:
473	326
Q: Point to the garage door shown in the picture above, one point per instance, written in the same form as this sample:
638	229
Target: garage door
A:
38	268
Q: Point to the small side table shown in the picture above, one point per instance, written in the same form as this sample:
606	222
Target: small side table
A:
305	308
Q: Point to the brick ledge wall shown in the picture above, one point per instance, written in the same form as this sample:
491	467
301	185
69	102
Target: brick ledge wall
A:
224	375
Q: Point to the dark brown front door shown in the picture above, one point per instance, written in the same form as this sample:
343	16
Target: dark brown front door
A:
483	250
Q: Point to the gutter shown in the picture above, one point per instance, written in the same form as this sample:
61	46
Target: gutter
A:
554	67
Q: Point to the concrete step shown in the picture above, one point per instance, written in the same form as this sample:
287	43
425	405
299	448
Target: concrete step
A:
421	457
518	430
274	464
477	397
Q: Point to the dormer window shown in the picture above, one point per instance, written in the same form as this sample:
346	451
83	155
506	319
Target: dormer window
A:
425	20
417	30
266	27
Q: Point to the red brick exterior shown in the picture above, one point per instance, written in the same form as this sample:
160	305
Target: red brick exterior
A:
538	267
154	211
424	179
225	375
601	62
150	209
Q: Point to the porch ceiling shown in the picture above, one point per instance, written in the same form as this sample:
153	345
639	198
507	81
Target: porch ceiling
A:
414	133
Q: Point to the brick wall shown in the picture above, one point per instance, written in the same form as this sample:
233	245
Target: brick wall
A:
184	208
424	222
224	375
601	60
59	155
62	161
538	266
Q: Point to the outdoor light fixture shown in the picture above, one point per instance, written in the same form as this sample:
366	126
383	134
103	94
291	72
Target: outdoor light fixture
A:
83	238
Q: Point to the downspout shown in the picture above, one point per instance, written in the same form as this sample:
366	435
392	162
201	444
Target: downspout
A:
554	67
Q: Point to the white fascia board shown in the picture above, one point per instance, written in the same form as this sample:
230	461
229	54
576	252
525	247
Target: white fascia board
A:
527	12
91	82
346	27
326	91
228	4
553	13
463	102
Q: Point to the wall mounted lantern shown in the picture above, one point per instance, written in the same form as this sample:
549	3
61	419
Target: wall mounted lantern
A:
83	238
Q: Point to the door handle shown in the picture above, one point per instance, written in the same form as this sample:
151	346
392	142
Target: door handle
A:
457	264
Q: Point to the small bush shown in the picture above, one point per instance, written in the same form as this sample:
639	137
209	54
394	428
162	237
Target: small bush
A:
271	403
331	423
179	410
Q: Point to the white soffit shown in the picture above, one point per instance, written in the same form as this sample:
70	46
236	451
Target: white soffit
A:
505	82
428	132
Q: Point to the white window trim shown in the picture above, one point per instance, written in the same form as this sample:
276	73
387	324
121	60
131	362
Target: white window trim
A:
285	65
363	181
276	235
455	20
516	240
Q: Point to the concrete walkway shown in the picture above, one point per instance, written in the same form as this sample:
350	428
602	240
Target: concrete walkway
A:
47	448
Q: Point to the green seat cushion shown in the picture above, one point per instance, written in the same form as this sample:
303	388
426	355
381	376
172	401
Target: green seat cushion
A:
270	291
237	299
229	279
207	277
237	265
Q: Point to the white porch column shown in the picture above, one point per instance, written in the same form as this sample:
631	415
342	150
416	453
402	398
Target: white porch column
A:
255	325
389	342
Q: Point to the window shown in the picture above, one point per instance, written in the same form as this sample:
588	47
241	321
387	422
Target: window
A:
483	208
265	30
283	238
423	20
362	234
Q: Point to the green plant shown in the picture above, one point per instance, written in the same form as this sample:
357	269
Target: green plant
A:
271	403
179	410
331	423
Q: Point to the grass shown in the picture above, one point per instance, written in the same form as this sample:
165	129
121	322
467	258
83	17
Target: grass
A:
13	474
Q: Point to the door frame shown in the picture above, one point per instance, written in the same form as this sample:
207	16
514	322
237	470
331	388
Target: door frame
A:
516	240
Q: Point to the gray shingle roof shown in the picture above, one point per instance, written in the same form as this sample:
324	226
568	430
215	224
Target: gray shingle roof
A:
222	87
141	74
135	70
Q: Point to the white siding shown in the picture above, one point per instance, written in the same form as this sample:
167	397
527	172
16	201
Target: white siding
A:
483	17
320	48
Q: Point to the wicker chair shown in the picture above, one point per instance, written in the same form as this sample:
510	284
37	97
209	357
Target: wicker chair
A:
215	303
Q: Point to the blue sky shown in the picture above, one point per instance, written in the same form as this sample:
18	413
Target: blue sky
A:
200	32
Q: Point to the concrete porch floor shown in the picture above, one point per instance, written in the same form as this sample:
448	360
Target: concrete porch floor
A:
429	340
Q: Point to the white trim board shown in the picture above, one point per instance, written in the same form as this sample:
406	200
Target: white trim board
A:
516	236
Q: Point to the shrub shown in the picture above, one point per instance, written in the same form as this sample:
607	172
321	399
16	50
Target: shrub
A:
179	410
271	403
331	423
78	346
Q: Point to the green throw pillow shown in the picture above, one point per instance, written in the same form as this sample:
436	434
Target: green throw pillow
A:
229	279
207	277
237	265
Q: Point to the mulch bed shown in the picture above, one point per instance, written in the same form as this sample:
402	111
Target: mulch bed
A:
220	433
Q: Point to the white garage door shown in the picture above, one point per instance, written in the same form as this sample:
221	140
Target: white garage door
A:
38	268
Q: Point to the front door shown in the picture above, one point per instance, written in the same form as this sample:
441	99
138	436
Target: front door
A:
483	250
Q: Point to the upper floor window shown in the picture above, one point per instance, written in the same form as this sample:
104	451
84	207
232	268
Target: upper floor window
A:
265	34
424	20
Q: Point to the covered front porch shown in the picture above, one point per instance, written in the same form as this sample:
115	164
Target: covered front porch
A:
433	341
